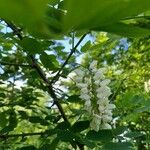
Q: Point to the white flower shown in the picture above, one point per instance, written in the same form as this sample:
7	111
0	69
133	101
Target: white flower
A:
111	106
107	118
97	82
94	90
84	90
98	75
79	72
102	89
96	121
101	109
94	124
85	96
88	106
104	82
103	101
78	78
147	86
103	94
87	81
82	85
108	112
93	65
106	126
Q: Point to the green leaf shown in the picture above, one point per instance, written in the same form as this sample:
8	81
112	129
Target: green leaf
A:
142	109
59	48
31	147
37	119
65	135
74	99
12	123
102	135
88	143
2	95
49	61
34	119
133	134
31	45
124	30
23	114
51	146
80	126
118	146
63	126
119	130
101	14
96	46
3	119
86	47
54	20
73	144
54	144
51	132
28	13
78	111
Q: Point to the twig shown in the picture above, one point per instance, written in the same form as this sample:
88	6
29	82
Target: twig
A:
5	136
15	29
56	77
13	64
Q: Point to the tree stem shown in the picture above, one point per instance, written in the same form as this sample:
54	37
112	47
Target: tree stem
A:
56	77
42	74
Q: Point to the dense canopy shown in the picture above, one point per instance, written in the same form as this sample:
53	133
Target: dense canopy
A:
75	74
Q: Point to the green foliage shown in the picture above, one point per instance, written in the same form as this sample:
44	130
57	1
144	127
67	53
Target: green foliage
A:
118	146
29	13
33	48
102	135
101	15
49	61
105	15
80	126
40	45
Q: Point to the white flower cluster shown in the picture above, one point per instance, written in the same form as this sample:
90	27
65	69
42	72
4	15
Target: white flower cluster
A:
94	91
147	86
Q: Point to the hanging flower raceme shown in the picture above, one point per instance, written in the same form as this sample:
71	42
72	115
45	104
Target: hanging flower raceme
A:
94	90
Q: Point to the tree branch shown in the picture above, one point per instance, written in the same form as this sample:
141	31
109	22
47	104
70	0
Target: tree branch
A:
15	29
50	88
43	76
40	72
6	136
56	77
13	64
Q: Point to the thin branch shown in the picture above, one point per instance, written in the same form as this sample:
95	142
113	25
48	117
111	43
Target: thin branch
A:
13	64
73	37
5	136
15	29
43	76
40	72
56	77
50	88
